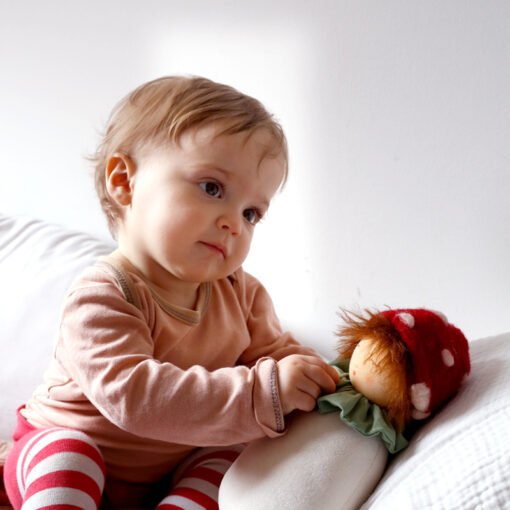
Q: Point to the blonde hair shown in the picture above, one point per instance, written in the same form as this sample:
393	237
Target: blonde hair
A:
163	109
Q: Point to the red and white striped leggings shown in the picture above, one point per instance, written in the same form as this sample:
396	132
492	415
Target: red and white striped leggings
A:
62	469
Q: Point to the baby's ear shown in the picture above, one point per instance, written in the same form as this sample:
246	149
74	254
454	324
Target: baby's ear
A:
119	174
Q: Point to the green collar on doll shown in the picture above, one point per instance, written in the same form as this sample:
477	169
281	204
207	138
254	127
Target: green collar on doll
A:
358	412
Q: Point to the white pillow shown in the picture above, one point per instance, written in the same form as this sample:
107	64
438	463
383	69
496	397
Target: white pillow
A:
38	261
321	463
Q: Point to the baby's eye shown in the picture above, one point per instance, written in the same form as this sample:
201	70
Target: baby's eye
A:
212	188
252	216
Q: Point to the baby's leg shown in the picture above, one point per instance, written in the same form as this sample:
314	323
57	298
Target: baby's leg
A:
53	467
197	480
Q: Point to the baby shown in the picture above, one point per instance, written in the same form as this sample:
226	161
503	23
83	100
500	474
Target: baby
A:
169	357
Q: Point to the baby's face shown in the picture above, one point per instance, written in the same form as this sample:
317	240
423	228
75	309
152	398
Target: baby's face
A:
194	206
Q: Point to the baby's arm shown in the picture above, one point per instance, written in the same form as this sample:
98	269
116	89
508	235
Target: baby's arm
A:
107	350
110	376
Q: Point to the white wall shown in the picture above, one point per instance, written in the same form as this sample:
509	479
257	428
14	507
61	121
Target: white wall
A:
397	114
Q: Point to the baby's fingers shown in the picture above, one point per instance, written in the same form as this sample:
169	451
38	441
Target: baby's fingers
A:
323	375
305	400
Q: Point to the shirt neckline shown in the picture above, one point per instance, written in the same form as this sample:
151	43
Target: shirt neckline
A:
190	316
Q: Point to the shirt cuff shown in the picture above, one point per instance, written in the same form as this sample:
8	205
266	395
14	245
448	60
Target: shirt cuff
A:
266	398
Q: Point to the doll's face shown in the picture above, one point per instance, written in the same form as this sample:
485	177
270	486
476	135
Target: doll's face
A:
366	376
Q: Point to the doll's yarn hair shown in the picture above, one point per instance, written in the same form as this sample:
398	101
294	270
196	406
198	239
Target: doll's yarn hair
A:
389	353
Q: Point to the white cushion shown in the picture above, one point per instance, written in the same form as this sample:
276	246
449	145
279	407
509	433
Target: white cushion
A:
38	261
320	463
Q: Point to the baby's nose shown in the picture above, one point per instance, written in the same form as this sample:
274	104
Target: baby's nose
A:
230	222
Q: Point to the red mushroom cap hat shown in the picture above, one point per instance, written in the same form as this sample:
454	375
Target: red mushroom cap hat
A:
439	354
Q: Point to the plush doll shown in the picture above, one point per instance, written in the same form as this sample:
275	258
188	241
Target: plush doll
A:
396	366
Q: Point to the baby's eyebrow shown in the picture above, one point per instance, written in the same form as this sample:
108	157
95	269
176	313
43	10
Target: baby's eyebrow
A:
221	170
207	166
265	203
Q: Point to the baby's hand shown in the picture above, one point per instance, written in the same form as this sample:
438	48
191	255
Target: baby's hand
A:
302	379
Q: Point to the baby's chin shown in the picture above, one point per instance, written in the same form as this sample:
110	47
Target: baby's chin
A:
204	276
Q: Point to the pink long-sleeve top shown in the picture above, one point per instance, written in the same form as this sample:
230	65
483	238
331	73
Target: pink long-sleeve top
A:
149	381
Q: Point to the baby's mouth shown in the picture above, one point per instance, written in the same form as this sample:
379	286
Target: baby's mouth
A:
218	248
